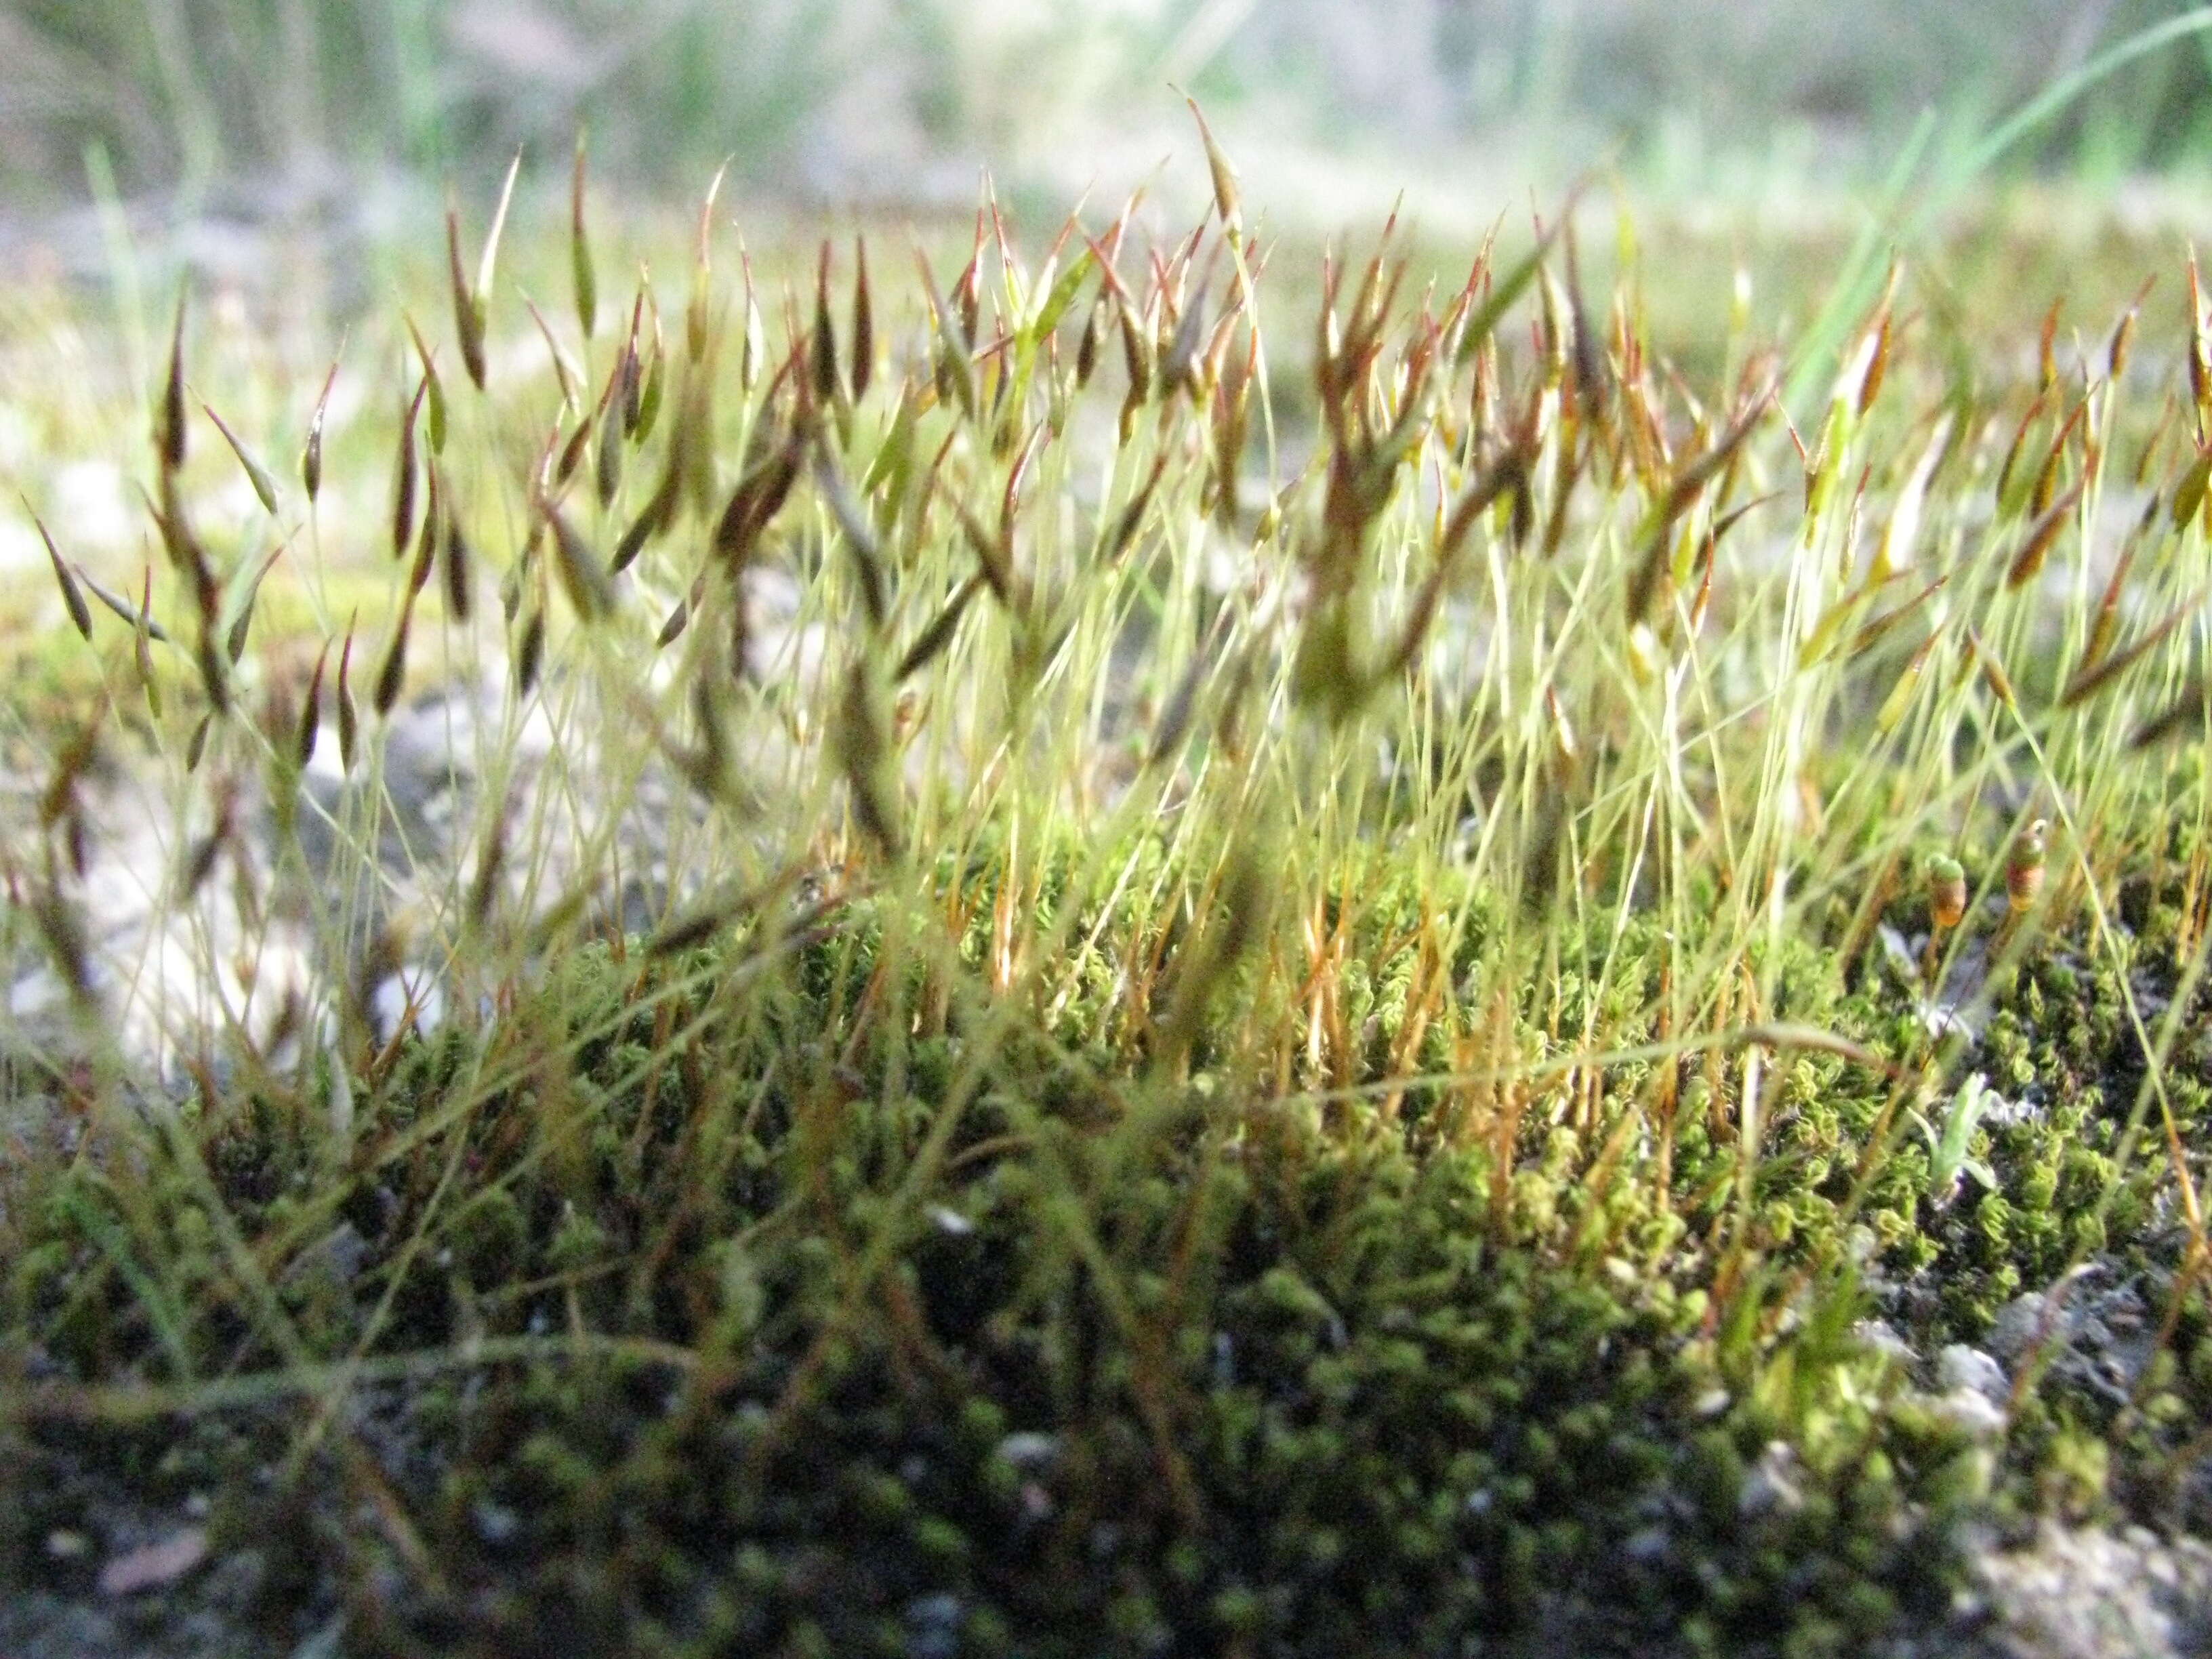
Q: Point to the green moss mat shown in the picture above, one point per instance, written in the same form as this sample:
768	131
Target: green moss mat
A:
799	1331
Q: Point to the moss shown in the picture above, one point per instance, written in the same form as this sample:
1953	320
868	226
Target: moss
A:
1408	1194
1301	1392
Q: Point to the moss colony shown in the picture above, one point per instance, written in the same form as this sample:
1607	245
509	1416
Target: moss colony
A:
1099	979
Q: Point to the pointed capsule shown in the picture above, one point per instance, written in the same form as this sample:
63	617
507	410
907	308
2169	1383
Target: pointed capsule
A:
1132	516
1589	356
1877	360
1228	202
349	718
864	323
653	517
822	347
655	389
426	543
2185	711
861	746
476	301
529	654
2094	676
1181	365
137	615
933	639
169	418
510	587
580	274
491	862
2046	478
860	536
672	629
571	452
607	474
214	678
1993	671
310	455
1086	349
1136	354
264	486
2189	492
195	748
234	646
80	614
468	318
630	370
755	500
311	712
457	587
2122	345
403	479
437	389
1899	701
392	675
698	315
583	578
2041	535
2007	499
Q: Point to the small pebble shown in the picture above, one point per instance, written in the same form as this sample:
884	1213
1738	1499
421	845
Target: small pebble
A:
1958	1366
153	1566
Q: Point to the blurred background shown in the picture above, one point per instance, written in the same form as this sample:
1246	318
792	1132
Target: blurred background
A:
269	106
1758	164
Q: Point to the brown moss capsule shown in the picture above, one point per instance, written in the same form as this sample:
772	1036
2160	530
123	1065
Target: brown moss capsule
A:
2024	870
2041	535
392	677
311	713
349	718
468	316
822	344
608	473
457	568
579	250
403	477
1228	200
590	588
2122	344
1086	349
1946	891
531	654
436	387
864	324
310	458
426	543
655	386
169	417
80	614
672	629
265	487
